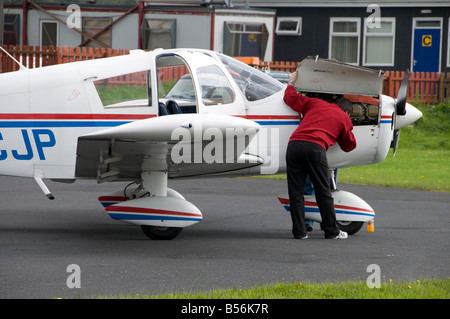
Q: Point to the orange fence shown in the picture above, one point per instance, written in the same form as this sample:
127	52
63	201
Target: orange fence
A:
34	57
71	54
424	87
272	65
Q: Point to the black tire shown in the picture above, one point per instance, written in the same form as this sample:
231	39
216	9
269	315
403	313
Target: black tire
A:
350	228
161	233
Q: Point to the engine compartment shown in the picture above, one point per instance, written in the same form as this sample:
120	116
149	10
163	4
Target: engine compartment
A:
365	108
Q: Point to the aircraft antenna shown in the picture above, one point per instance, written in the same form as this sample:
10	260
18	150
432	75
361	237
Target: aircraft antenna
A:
21	66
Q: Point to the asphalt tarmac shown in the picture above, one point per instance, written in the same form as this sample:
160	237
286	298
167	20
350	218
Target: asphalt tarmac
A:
243	240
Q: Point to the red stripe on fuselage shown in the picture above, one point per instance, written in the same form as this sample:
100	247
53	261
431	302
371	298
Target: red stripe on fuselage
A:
141	210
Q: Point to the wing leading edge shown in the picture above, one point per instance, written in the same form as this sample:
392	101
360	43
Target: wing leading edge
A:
178	144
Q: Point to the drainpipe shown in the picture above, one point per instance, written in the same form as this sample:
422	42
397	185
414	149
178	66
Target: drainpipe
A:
141	19
24	22
1	22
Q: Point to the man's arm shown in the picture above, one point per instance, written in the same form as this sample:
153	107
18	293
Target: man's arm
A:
347	140
295	100
293	78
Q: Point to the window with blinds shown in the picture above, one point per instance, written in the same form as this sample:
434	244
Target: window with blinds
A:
11	29
159	33
92	26
344	40
49	33
379	43
245	39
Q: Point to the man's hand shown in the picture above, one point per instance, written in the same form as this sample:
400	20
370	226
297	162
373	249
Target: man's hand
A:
293	77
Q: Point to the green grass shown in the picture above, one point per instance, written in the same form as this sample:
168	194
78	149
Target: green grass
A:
422	158
121	93
410	168
419	289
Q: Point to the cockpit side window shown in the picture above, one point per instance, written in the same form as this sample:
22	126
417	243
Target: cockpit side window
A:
214	85
254	84
126	90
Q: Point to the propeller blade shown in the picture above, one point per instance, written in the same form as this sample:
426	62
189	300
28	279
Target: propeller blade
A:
394	143
400	104
400	109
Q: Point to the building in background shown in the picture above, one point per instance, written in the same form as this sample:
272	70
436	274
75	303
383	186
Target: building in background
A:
392	35
138	24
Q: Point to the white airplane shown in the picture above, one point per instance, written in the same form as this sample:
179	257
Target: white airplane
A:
84	120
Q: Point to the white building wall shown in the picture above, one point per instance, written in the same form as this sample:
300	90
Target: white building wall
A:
193	29
124	33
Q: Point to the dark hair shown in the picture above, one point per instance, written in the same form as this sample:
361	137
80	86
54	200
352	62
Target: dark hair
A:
345	104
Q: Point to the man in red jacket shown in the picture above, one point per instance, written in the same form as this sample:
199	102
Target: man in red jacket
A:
323	125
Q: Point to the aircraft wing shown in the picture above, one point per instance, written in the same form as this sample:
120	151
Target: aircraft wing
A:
184	145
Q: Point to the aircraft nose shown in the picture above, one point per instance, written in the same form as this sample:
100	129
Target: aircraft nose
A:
411	116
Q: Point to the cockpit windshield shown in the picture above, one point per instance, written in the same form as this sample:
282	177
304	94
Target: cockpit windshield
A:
253	83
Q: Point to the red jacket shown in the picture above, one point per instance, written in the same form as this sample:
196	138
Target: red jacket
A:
323	123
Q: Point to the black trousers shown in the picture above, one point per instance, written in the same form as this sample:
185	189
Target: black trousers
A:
302	159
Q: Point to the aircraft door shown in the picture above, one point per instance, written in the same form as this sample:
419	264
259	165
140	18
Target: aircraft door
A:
176	92
216	94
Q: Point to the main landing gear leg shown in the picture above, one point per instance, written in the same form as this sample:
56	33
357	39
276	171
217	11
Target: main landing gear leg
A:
350	227
155	182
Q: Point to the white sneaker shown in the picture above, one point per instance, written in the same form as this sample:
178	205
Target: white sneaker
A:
342	235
